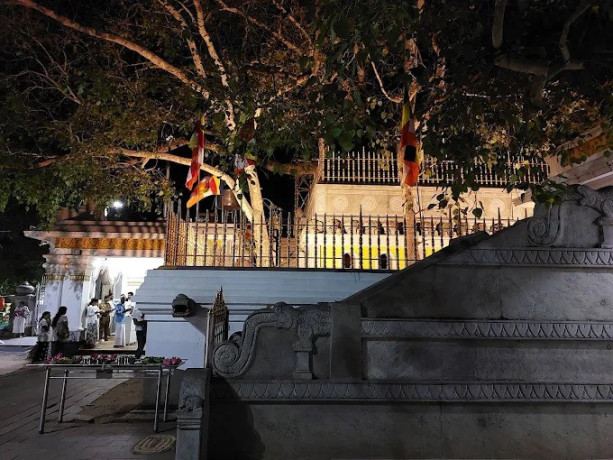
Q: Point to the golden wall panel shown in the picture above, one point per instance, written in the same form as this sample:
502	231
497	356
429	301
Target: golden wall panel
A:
124	244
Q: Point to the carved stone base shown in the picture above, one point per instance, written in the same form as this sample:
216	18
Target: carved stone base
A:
303	365
193	415
607	232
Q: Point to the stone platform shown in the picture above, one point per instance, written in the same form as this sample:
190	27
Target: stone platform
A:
495	347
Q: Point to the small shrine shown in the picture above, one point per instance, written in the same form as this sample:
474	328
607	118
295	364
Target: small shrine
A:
92	258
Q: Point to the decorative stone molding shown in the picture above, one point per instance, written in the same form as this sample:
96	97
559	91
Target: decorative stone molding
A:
545	231
396	204
110	243
234	357
79	277
369	204
50	277
544	257
315	391
550	330
340	203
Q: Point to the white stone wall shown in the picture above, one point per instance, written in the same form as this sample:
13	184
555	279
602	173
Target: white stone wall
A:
338	199
244	290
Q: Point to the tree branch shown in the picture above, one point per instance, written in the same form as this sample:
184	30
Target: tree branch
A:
246	207
191	44
215	56
277	35
582	8
306	167
293	20
498	25
521	65
148	55
395	99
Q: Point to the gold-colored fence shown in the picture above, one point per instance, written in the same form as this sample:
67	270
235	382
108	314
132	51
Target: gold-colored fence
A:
325	241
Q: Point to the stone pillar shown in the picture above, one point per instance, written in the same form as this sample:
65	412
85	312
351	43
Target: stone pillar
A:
193	415
55	275
345	341
606	223
69	278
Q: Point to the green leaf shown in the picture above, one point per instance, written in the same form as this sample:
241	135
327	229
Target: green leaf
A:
346	140
342	27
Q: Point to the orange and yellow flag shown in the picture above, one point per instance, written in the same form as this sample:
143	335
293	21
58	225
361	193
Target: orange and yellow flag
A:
409	146
206	187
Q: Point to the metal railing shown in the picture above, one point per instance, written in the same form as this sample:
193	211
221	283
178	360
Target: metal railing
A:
373	169
217	326
364	242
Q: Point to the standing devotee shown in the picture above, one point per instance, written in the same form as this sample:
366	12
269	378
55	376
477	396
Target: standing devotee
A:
120	326
92	313
21	319
140	325
44	338
61	333
105	318
130	331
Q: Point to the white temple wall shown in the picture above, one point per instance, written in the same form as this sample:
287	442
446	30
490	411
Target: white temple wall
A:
131	271
383	200
71	280
245	290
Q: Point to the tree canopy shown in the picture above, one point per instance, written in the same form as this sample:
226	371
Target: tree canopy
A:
94	94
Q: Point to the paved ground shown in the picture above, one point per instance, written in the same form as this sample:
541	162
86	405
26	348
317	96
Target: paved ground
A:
20	397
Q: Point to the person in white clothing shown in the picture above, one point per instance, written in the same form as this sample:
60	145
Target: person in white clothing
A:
44	338
92	315
120	327
21	319
129	324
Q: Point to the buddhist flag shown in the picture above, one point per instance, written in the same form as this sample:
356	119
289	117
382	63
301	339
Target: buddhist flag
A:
408	146
206	187
240	163
196	143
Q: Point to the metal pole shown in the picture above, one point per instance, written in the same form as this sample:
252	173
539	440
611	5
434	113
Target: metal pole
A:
157	400
43	408
166	395
60	416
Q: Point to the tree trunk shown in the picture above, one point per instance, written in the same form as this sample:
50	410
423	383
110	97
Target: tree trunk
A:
260	229
409	215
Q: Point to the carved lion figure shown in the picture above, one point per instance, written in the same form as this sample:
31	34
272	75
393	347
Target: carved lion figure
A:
191	403
600	200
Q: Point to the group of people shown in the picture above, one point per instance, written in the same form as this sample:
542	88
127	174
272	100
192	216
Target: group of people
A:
54	333
98	320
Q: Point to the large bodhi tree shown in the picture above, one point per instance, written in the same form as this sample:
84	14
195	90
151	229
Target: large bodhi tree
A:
95	94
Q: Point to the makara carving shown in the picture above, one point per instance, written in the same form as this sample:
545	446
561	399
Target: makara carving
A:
545	231
601	201
234	357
